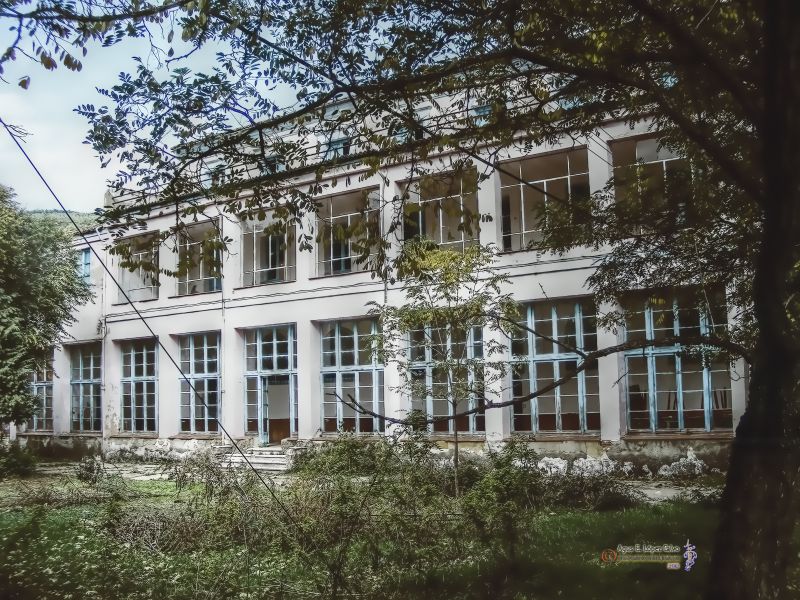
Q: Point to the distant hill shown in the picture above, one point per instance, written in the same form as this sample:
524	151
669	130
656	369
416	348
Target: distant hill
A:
84	220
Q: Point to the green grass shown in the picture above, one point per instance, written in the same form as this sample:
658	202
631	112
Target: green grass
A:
65	551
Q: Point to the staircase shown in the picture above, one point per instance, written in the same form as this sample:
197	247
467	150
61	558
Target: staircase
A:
266	458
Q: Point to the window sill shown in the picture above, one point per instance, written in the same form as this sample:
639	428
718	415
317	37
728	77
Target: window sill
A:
193	295
462	437
36	433
134	302
678	435
261	285
131	434
337	275
195	436
96	434
556	436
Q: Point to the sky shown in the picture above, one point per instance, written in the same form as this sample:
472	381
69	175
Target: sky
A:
46	111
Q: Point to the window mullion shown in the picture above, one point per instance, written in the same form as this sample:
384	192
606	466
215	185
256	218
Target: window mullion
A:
652	394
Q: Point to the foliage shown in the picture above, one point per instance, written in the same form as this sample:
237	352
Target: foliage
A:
86	221
15	460
389	529
39	287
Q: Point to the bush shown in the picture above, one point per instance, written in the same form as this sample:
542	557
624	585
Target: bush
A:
15	460
90	470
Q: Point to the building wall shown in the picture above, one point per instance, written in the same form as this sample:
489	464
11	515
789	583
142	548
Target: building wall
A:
306	302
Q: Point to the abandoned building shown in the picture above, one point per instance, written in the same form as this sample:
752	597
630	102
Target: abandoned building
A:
271	343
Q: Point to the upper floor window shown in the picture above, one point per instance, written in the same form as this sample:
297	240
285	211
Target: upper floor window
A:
669	388
200	365
42	388
650	180
550	187
444	209
268	252
85	265
352	375
346	225
138	382
336	148
141	255
199	260
447	377
551	353
85	381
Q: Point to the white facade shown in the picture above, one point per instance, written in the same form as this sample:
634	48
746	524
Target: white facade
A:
313	299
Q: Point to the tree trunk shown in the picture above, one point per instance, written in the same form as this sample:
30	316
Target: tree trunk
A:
455	459
754	552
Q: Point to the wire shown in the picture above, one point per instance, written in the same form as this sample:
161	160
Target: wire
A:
149	329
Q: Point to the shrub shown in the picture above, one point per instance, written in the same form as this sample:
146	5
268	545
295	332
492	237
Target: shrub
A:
15	460
90	470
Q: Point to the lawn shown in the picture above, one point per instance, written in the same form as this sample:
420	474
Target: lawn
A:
385	533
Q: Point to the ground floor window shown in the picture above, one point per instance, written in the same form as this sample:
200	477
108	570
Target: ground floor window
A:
42	388
546	352
447	377
85	382
139	381
271	382
352	377
672	388
200	365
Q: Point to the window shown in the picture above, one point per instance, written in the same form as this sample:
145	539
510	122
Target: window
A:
139	386
336	149
85	381
652	181
480	114
268	253
345	225
199	260
141	255
669	389
351	370
200	364
446	378
42	388
444	209
85	266
271	386
537	362
556	188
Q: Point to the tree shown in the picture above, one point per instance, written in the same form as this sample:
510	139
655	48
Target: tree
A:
717	80
39	288
435	338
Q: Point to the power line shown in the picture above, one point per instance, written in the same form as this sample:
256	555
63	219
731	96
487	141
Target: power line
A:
150	330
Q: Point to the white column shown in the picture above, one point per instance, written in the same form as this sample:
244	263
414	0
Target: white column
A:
309	391
396	400
169	388
62	413
611	405
599	152
112	392
232	399
489	203
498	420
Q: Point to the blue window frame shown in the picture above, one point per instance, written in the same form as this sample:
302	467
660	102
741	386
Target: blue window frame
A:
271	382
351	369
573	407
86	265
667	387
446	368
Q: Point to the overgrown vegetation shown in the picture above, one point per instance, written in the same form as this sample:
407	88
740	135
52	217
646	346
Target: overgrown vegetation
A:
355	518
15	460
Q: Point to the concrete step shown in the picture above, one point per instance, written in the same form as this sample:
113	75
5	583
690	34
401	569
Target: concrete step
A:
263	461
